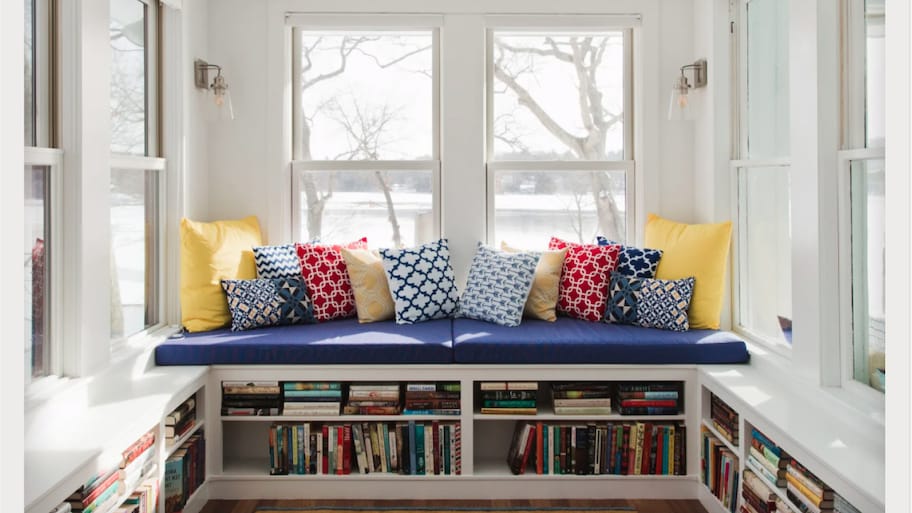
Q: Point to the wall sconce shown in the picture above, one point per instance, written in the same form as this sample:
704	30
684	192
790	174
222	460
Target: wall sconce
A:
224	108
680	106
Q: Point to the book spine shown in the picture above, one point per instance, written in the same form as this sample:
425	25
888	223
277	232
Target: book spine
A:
324	452
760	437
658	394
413	448
457	444
346	449
811	497
419	450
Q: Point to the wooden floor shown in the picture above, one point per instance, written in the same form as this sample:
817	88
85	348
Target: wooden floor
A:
642	506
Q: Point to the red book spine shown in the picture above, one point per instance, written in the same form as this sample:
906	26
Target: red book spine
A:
647	445
436	440
526	451
660	449
325	449
650	403
539	450
137	448
346	449
100	489
625	451
340	456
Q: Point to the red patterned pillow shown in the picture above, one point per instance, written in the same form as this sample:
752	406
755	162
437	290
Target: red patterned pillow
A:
326	276
584	279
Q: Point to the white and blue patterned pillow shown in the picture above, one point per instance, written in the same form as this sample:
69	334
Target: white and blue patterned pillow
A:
663	303
277	261
635	262
498	286
421	281
264	302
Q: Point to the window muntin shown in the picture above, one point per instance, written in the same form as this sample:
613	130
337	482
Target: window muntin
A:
766	120
37	271
129	63
764	254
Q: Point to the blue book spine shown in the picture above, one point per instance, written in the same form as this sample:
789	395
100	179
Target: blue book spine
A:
619	452
766	441
314	393
419	448
544	454
413	460
666	431
301	449
386	448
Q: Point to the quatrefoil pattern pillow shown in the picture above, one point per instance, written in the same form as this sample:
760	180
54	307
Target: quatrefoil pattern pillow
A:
498	286
622	299
636	262
267	302
584	279
277	261
326	276
663	303
421	281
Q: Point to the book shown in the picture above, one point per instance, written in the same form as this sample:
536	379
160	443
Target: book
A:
181	412
295	385
509	385
431	387
509	411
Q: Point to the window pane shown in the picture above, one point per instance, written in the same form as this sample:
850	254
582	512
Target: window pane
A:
134	251
765	257
558	96
875	73
767	79
390	208
868	271
37	351
531	206
366	96
31	104
128	77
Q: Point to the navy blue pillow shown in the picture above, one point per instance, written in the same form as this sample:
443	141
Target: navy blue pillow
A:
633	261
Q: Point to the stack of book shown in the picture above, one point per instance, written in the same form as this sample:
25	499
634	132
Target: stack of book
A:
724	419
180	421
302	398
758	497
432	399
184	472
768	459
98	493
840	505
598	448
719	470
581	398
659	398
251	398
144	498
138	462
806	491
509	397
372	399
411	448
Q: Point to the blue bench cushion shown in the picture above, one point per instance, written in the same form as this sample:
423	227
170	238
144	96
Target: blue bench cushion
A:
576	341
342	341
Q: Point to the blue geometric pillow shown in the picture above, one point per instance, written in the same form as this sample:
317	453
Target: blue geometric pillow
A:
277	261
421	282
636	262
498	286
663	303
622	299
260	303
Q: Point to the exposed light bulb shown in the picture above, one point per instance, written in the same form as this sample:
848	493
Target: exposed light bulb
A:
682	100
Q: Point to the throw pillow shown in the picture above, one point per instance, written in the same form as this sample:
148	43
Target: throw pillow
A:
498	286
698	250
542	300
326	276
210	253
584	279
663	303
421	281
267	302
636	262
373	300
277	261
622	299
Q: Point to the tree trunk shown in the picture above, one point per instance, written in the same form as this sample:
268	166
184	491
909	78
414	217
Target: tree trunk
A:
316	203
609	216
390	209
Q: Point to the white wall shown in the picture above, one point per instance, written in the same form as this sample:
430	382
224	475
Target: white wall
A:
196	131
239	151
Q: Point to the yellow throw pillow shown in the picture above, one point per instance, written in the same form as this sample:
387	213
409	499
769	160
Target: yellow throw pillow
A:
210	253
698	250
368	279
542	299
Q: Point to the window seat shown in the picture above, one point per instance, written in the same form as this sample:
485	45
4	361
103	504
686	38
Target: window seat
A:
348	342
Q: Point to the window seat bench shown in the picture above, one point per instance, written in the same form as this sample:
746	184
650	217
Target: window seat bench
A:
466	341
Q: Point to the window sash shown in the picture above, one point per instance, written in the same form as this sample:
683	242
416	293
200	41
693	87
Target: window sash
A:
627	166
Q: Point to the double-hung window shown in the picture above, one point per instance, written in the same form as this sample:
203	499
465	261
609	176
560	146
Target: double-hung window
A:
43	166
761	173
559	129
862	191
136	183
365	138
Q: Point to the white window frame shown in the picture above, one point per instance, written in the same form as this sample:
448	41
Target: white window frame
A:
534	23
358	22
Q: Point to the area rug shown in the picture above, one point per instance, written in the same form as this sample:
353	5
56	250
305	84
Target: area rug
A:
444	509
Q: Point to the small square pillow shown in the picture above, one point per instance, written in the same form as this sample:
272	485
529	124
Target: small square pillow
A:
373	300
326	276
498	286
542	300
211	252
636	262
622	299
663	303
267	302
698	250
277	261
421	281
584	279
